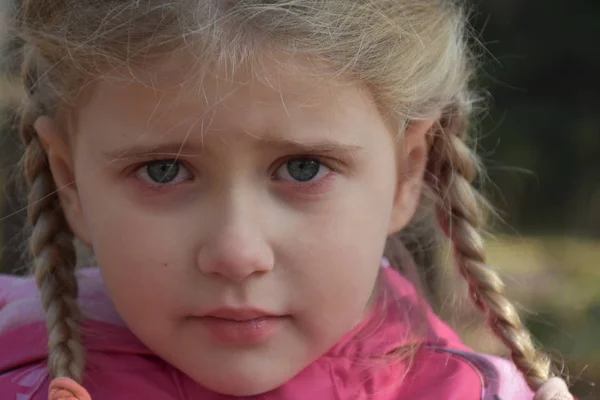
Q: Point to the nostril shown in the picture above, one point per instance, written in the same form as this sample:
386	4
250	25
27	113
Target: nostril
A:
236	263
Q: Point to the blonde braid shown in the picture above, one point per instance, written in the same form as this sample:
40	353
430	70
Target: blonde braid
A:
452	170
51	245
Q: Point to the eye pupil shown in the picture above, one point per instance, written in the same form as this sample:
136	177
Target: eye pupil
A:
303	169
163	171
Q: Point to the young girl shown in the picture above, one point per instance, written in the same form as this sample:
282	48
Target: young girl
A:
237	167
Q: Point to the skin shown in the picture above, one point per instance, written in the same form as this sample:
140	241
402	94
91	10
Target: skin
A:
234	228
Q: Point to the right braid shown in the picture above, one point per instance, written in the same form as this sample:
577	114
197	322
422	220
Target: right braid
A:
51	245
452	169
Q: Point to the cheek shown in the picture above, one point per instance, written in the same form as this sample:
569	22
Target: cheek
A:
333	275
336	254
136	251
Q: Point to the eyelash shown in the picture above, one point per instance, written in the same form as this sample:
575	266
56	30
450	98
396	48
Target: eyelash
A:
332	164
136	169
308	187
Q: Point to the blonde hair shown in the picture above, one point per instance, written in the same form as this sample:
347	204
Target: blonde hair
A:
413	55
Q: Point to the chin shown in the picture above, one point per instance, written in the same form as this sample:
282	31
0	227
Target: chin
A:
247	385
240	378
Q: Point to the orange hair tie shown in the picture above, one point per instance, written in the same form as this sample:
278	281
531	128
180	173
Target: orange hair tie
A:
67	389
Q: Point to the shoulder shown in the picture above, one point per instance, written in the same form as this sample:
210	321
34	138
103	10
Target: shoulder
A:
443	367
113	371
24	338
479	376
20	302
21	306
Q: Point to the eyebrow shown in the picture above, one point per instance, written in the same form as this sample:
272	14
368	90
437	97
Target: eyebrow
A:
139	150
177	148
319	147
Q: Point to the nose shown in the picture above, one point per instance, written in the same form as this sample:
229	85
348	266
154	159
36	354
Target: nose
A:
236	250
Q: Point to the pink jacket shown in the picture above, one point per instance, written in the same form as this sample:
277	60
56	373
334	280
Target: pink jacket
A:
359	367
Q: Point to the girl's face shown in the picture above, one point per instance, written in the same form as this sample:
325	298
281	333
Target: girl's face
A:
238	225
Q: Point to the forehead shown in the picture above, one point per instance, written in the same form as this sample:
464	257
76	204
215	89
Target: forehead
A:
278	95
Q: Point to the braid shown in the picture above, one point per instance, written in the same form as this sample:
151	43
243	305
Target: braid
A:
452	169
51	245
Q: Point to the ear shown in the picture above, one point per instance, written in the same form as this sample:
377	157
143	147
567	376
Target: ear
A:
412	157
61	167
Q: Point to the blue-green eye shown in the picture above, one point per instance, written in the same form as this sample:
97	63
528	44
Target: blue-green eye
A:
303	169
164	172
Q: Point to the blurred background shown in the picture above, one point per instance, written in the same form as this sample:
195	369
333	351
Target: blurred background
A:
541	144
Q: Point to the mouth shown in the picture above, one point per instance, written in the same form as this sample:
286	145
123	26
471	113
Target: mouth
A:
239	314
241	326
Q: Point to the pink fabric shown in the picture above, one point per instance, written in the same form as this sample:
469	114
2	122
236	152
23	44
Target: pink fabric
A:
361	366
554	389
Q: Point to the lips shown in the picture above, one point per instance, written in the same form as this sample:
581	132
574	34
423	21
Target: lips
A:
241	326
239	314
